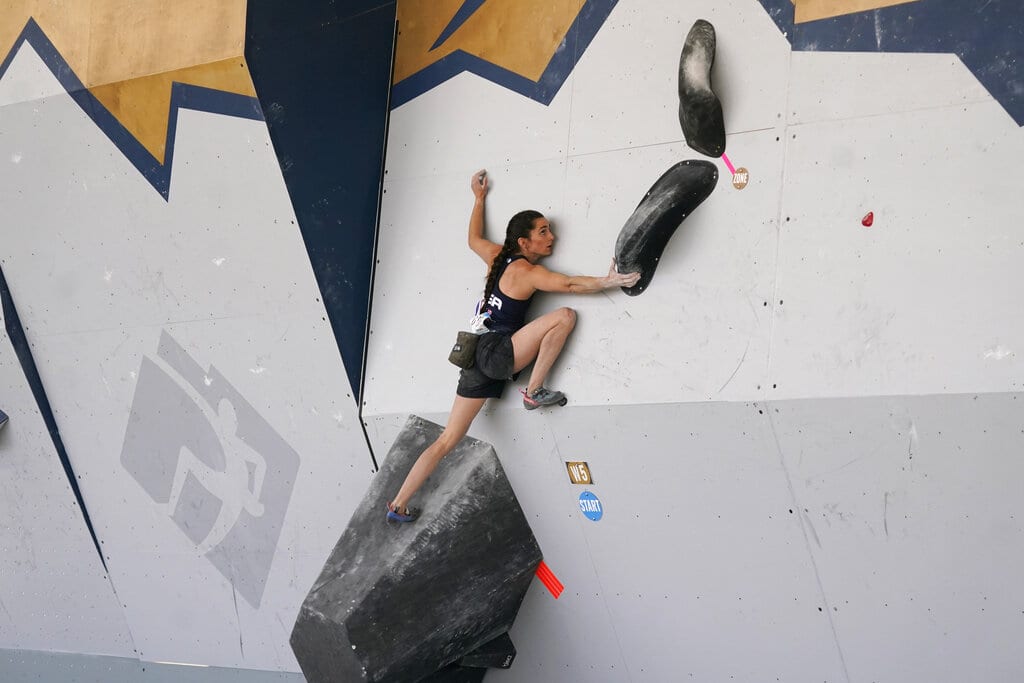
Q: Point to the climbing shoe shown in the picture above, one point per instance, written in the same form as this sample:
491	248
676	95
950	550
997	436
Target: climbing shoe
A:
542	397
397	516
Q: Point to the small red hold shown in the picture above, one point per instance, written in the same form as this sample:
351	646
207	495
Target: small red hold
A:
868	219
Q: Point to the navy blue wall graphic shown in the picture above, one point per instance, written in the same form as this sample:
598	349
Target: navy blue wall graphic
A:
323	73
988	35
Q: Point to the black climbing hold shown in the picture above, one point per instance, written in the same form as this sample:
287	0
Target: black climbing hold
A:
700	111
672	198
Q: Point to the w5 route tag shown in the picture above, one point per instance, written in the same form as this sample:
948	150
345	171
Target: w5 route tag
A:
579	473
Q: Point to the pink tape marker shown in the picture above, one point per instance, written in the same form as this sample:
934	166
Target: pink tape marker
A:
728	164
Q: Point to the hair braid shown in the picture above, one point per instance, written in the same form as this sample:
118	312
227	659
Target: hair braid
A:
492	273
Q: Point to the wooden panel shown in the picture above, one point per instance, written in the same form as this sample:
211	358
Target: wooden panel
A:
420	22
142	104
522	36
812	10
144	37
66	24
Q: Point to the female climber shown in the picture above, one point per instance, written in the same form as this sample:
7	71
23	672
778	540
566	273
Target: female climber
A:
511	343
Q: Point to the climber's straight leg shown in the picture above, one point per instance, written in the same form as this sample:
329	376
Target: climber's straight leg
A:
464	410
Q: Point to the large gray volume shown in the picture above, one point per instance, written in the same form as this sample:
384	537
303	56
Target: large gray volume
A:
398	602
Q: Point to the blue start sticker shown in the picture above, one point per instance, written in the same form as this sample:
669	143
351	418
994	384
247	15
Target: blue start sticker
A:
590	506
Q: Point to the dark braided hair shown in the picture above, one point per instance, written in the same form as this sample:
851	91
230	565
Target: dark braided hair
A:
519	225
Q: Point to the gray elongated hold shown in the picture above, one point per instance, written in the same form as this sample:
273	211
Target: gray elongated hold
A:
700	111
674	196
402	603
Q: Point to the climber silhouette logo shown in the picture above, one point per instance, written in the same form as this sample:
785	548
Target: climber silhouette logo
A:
217	467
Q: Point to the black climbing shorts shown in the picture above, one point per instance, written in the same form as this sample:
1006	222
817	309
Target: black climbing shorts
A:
495	360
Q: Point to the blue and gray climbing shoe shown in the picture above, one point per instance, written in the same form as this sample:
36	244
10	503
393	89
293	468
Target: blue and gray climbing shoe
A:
3	418
397	516
543	397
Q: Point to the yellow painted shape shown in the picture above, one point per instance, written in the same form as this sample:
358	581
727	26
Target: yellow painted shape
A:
107	41
67	24
519	35
128	52
813	10
132	38
142	105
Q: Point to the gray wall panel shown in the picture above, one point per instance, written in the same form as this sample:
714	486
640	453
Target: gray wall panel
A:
869	539
697	551
190	367
911	503
885	76
920	302
26	79
26	666
54	592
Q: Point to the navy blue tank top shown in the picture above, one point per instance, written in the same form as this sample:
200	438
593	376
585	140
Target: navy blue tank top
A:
507	314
